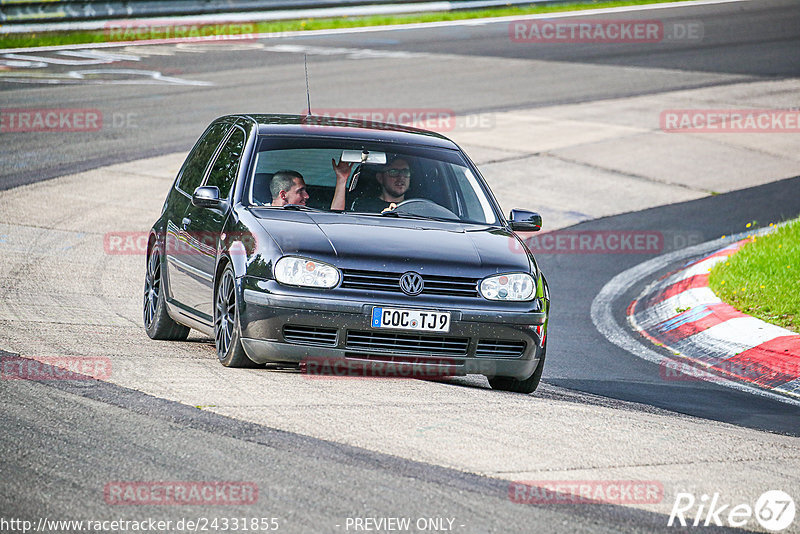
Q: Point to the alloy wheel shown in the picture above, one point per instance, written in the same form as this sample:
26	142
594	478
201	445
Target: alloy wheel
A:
225	316
152	288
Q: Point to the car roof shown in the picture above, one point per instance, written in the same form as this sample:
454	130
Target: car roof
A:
320	126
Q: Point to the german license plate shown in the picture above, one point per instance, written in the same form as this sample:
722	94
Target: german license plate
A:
397	318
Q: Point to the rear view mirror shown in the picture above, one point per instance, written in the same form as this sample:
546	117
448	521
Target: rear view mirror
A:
364	156
525	221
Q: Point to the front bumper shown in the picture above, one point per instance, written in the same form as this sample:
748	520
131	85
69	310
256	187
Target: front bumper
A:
480	341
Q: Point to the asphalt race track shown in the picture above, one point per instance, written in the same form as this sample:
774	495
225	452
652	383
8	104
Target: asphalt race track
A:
323	452
467	69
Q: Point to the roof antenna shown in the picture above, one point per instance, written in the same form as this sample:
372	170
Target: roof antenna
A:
308	91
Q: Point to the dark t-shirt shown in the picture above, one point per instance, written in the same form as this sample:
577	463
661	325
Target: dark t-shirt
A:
370	205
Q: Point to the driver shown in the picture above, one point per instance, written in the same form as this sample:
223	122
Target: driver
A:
394	179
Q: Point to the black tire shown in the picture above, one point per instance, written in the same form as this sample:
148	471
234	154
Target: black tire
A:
227	333
529	385
157	322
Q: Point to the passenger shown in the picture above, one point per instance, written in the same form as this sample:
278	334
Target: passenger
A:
394	179
288	187
342	171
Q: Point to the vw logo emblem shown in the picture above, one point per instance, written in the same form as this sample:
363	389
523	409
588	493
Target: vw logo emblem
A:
411	283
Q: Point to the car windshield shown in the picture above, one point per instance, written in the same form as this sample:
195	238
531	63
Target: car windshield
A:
416	182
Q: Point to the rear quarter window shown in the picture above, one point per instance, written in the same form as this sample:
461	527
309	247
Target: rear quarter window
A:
195	165
226	167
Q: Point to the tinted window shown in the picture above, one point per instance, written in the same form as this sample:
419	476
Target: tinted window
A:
313	163
441	180
196	163
224	171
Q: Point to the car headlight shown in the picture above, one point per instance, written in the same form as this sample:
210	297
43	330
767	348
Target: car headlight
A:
294	271
514	286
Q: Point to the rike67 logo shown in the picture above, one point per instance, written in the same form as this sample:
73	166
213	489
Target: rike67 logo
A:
774	510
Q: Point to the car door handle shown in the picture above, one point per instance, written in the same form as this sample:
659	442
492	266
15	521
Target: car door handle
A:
186	222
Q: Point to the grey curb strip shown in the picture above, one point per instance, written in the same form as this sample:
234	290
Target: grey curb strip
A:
606	324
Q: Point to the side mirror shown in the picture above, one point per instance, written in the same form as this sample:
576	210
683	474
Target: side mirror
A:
525	221
207	197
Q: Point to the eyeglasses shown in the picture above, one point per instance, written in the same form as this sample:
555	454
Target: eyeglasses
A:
394	173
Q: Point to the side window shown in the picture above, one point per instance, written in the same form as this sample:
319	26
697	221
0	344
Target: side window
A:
224	171
472	206
476	206
192	172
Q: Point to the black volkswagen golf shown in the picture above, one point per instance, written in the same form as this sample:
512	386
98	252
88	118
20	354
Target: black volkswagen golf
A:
291	239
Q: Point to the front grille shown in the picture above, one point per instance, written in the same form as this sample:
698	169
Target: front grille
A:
309	335
376	281
390	282
390	342
495	348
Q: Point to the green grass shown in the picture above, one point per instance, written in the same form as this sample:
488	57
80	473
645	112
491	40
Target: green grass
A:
101	36
763	278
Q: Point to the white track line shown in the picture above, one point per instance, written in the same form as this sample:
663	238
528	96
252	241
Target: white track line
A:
730	337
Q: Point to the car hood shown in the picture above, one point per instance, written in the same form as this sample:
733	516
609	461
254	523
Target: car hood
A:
394	244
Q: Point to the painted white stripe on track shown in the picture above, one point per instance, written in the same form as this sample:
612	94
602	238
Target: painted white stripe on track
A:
667	309
660	285
704	267
792	387
733	336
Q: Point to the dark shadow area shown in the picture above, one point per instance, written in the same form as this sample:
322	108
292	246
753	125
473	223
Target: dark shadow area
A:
717	404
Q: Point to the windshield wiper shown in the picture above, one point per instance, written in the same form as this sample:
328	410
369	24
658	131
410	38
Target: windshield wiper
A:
413	216
299	207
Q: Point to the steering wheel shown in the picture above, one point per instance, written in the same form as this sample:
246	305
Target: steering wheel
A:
425	208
